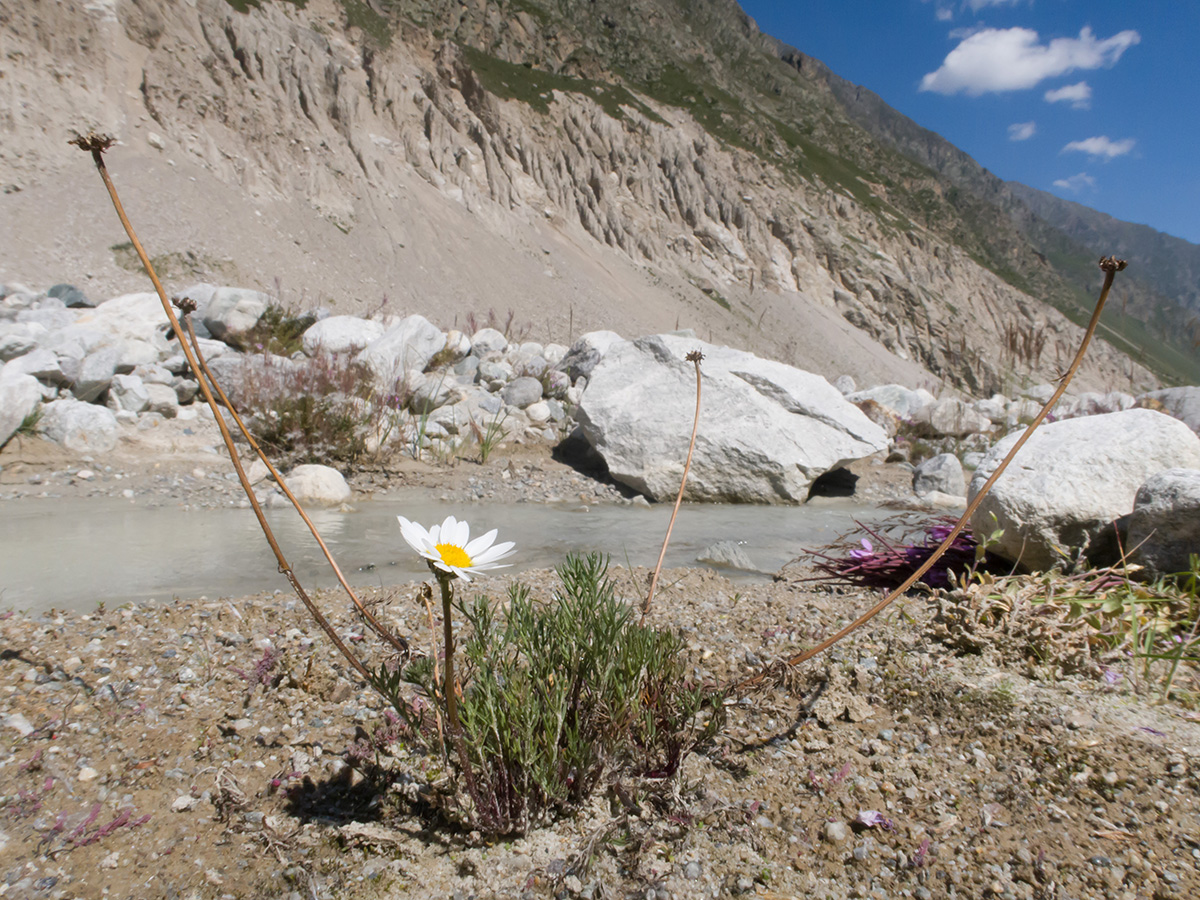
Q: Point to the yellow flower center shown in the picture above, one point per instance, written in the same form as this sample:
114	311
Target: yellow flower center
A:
453	555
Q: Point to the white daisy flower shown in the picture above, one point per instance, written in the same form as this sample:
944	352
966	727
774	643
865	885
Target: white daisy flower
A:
449	548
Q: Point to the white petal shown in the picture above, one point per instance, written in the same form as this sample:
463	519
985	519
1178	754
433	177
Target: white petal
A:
462	534
480	544
495	553
414	535
449	527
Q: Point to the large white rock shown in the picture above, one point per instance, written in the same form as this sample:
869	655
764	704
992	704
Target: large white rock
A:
318	484
1073	479
767	430
19	397
340	334
78	426
409	344
1164	530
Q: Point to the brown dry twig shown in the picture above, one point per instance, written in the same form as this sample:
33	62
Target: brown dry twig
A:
96	144
1110	265
695	358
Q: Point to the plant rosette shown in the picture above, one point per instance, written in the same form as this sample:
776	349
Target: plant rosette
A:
449	547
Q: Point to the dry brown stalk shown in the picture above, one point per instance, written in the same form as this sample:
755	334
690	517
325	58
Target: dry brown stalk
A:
695	358
398	642
96	145
1110	266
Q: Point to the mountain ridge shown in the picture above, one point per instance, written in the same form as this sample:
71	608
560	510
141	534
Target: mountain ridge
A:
417	150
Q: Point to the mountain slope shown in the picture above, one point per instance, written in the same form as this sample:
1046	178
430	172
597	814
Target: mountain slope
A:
631	164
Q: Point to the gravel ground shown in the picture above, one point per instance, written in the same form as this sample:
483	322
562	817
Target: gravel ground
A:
136	759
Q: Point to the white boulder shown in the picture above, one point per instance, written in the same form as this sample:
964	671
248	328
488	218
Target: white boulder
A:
1164	530
1073	479
233	311
340	334
318	484
409	344
78	426
20	395
767	430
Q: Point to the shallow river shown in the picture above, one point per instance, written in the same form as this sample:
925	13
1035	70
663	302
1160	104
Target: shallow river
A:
71	554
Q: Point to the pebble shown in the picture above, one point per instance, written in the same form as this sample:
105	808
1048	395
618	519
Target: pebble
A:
836	832
87	773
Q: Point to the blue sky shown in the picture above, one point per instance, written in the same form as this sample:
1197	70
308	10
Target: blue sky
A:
1093	100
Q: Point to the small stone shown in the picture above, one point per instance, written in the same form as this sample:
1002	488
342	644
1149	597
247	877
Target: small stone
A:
87	773
186	675
20	723
835	832
184	803
692	870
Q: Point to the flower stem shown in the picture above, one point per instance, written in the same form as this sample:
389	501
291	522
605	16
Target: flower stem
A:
444	579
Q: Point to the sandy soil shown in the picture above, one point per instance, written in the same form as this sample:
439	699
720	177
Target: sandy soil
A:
139	758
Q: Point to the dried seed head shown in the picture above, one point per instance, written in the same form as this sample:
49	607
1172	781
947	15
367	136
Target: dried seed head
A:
185	305
93	142
694	357
1112	264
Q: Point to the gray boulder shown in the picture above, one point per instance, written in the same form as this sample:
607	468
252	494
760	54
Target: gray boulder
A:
522	392
409	344
78	426
896	398
96	373
942	473
767	430
163	400
20	395
318	484
726	555
952	418
18	338
486	341
1181	402
128	392
340	334
41	364
1074	479
586	353
71	296
1164	530
233	311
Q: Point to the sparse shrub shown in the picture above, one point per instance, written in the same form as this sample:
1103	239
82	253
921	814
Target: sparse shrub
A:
557	696
312	410
490	435
279	330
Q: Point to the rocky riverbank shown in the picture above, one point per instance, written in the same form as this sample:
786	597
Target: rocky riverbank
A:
202	749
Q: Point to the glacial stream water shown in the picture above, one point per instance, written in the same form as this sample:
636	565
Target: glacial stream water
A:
68	554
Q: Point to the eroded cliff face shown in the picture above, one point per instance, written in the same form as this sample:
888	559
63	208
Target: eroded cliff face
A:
283	143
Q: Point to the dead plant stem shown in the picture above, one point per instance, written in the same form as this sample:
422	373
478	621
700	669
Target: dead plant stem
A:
695	357
398	642
1110	266
96	145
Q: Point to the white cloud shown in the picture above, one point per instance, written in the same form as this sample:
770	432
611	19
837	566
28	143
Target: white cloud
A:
1078	95
1022	131
1010	59
977	5
944	14
1101	146
1076	183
